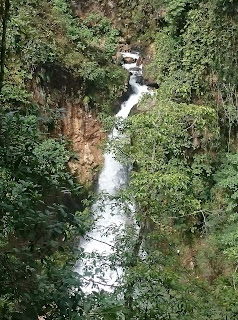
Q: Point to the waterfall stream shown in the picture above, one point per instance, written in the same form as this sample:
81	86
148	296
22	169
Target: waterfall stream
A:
113	177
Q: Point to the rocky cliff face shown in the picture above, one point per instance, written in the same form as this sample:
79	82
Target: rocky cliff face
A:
81	127
84	130
106	7
132	18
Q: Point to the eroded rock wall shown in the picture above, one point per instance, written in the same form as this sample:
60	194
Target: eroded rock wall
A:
85	132
81	127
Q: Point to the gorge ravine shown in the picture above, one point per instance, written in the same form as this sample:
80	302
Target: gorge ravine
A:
108	215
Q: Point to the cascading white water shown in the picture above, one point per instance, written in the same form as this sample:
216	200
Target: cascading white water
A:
112	178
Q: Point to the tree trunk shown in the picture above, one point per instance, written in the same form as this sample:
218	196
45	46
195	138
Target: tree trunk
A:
5	13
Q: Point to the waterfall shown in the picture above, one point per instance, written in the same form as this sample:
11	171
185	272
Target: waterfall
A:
113	177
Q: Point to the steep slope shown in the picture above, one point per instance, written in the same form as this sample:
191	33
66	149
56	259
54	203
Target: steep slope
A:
59	73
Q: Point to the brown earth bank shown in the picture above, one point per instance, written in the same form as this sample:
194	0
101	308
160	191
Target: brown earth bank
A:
80	125
85	132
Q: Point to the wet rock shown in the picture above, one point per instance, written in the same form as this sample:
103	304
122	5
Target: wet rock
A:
124	47
125	96
135	69
129	60
151	83
139	62
134	110
140	80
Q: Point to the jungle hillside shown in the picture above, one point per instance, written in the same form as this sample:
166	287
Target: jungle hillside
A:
61	83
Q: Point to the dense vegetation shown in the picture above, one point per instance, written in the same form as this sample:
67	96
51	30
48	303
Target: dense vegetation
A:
184	148
42	211
182	264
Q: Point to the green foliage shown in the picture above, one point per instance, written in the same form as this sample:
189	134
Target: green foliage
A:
35	224
177	13
45	35
176	173
195	51
226	186
184	192
183	189
50	50
187	184
227	180
165	181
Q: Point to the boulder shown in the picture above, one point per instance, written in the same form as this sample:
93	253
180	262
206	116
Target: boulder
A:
129	60
124	47
117	57
135	70
139	62
151	83
140	80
